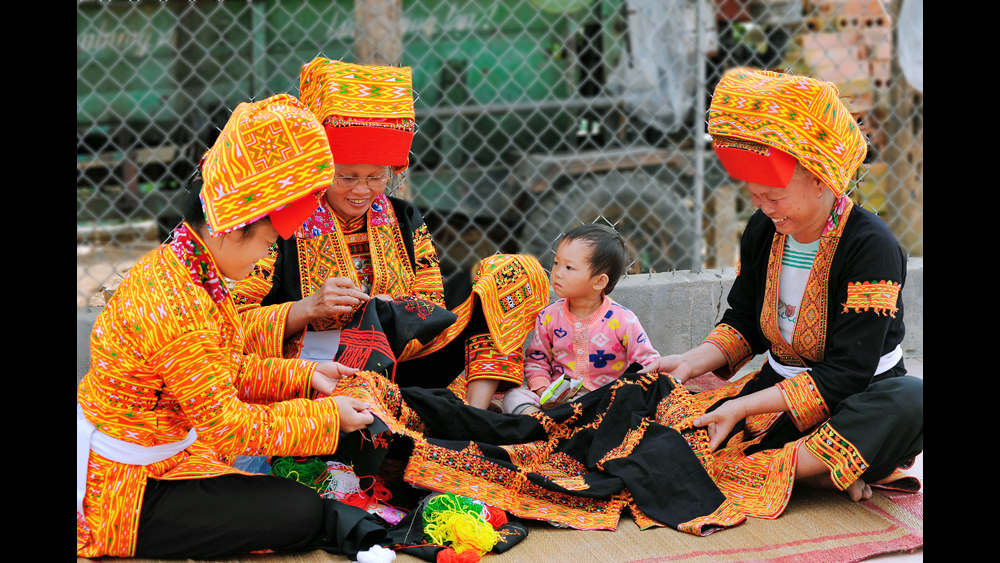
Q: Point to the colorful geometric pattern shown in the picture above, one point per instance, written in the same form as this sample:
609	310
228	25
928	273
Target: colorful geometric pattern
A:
799	115
484	361
844	460
879	296
166	358
733	346
805	403
759	485
512	289
329	255
335	88
497	277
270	153
809	336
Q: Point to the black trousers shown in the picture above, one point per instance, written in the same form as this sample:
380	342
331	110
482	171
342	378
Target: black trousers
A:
232	514
885	423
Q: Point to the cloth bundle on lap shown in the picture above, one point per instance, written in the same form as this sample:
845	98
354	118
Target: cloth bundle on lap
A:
377	334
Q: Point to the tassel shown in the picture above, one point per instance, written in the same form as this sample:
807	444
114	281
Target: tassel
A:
311	472
449	555
376	554
494	516
455	520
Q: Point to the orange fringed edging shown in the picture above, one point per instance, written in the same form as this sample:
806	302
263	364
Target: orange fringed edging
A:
449	555
880	297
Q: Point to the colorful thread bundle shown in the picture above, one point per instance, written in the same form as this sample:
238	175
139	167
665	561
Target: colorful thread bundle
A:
311	472
460	522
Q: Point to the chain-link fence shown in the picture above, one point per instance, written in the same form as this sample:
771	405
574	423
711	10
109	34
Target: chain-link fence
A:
533	116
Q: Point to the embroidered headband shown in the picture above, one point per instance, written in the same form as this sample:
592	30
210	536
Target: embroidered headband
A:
367	111
763	122
271	158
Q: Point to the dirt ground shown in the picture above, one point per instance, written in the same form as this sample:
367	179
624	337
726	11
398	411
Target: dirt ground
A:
103	265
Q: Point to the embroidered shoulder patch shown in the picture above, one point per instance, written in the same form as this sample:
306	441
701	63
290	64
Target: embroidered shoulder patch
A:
878	296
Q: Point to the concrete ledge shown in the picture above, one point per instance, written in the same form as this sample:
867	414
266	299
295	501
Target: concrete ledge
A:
677	309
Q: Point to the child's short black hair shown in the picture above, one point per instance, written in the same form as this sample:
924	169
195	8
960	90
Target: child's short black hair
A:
607	254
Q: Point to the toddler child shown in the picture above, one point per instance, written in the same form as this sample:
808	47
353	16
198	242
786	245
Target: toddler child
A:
584	334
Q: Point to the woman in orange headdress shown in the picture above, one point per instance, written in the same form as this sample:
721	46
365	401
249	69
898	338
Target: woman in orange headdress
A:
170	394
361	243
818	290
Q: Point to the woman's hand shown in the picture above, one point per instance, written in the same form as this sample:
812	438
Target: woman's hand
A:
327	374
337	296
721	421
673	364
354	414
384	297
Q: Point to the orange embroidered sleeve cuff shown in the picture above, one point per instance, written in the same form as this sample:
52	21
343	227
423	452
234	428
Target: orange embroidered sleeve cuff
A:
733	345
844	460
806	406
264	329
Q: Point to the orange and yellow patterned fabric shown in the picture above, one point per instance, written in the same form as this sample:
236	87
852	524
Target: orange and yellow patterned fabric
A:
332	88
512	290
879	296
799	115
167	355
270	154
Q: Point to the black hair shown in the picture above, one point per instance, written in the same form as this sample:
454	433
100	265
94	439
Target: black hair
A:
607	254
194	214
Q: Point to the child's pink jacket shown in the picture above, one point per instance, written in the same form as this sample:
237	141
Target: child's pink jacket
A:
598	349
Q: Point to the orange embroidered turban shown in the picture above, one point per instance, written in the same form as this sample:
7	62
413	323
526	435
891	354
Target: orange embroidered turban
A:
271	158
367	111
762	122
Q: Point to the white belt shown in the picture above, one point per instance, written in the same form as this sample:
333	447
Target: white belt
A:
89	439
885	363
320	345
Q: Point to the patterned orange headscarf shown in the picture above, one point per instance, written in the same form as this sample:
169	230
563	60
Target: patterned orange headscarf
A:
270	156
367	111
798	115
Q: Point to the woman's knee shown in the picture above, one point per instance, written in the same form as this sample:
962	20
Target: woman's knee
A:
904	396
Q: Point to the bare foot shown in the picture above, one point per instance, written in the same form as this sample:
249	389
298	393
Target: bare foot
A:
858	490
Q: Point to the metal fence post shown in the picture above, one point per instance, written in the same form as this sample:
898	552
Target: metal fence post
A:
698	132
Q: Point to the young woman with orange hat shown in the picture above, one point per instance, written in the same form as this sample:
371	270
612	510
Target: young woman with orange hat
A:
170	395
361	243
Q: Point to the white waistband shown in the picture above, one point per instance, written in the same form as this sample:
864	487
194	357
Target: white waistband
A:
89	439
885	363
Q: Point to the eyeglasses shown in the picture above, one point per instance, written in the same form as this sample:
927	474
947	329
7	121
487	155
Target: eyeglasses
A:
376	182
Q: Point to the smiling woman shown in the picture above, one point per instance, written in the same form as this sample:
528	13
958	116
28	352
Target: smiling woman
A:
818	291
360	243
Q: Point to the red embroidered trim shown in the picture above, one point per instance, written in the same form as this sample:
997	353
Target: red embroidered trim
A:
484	361
193	254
